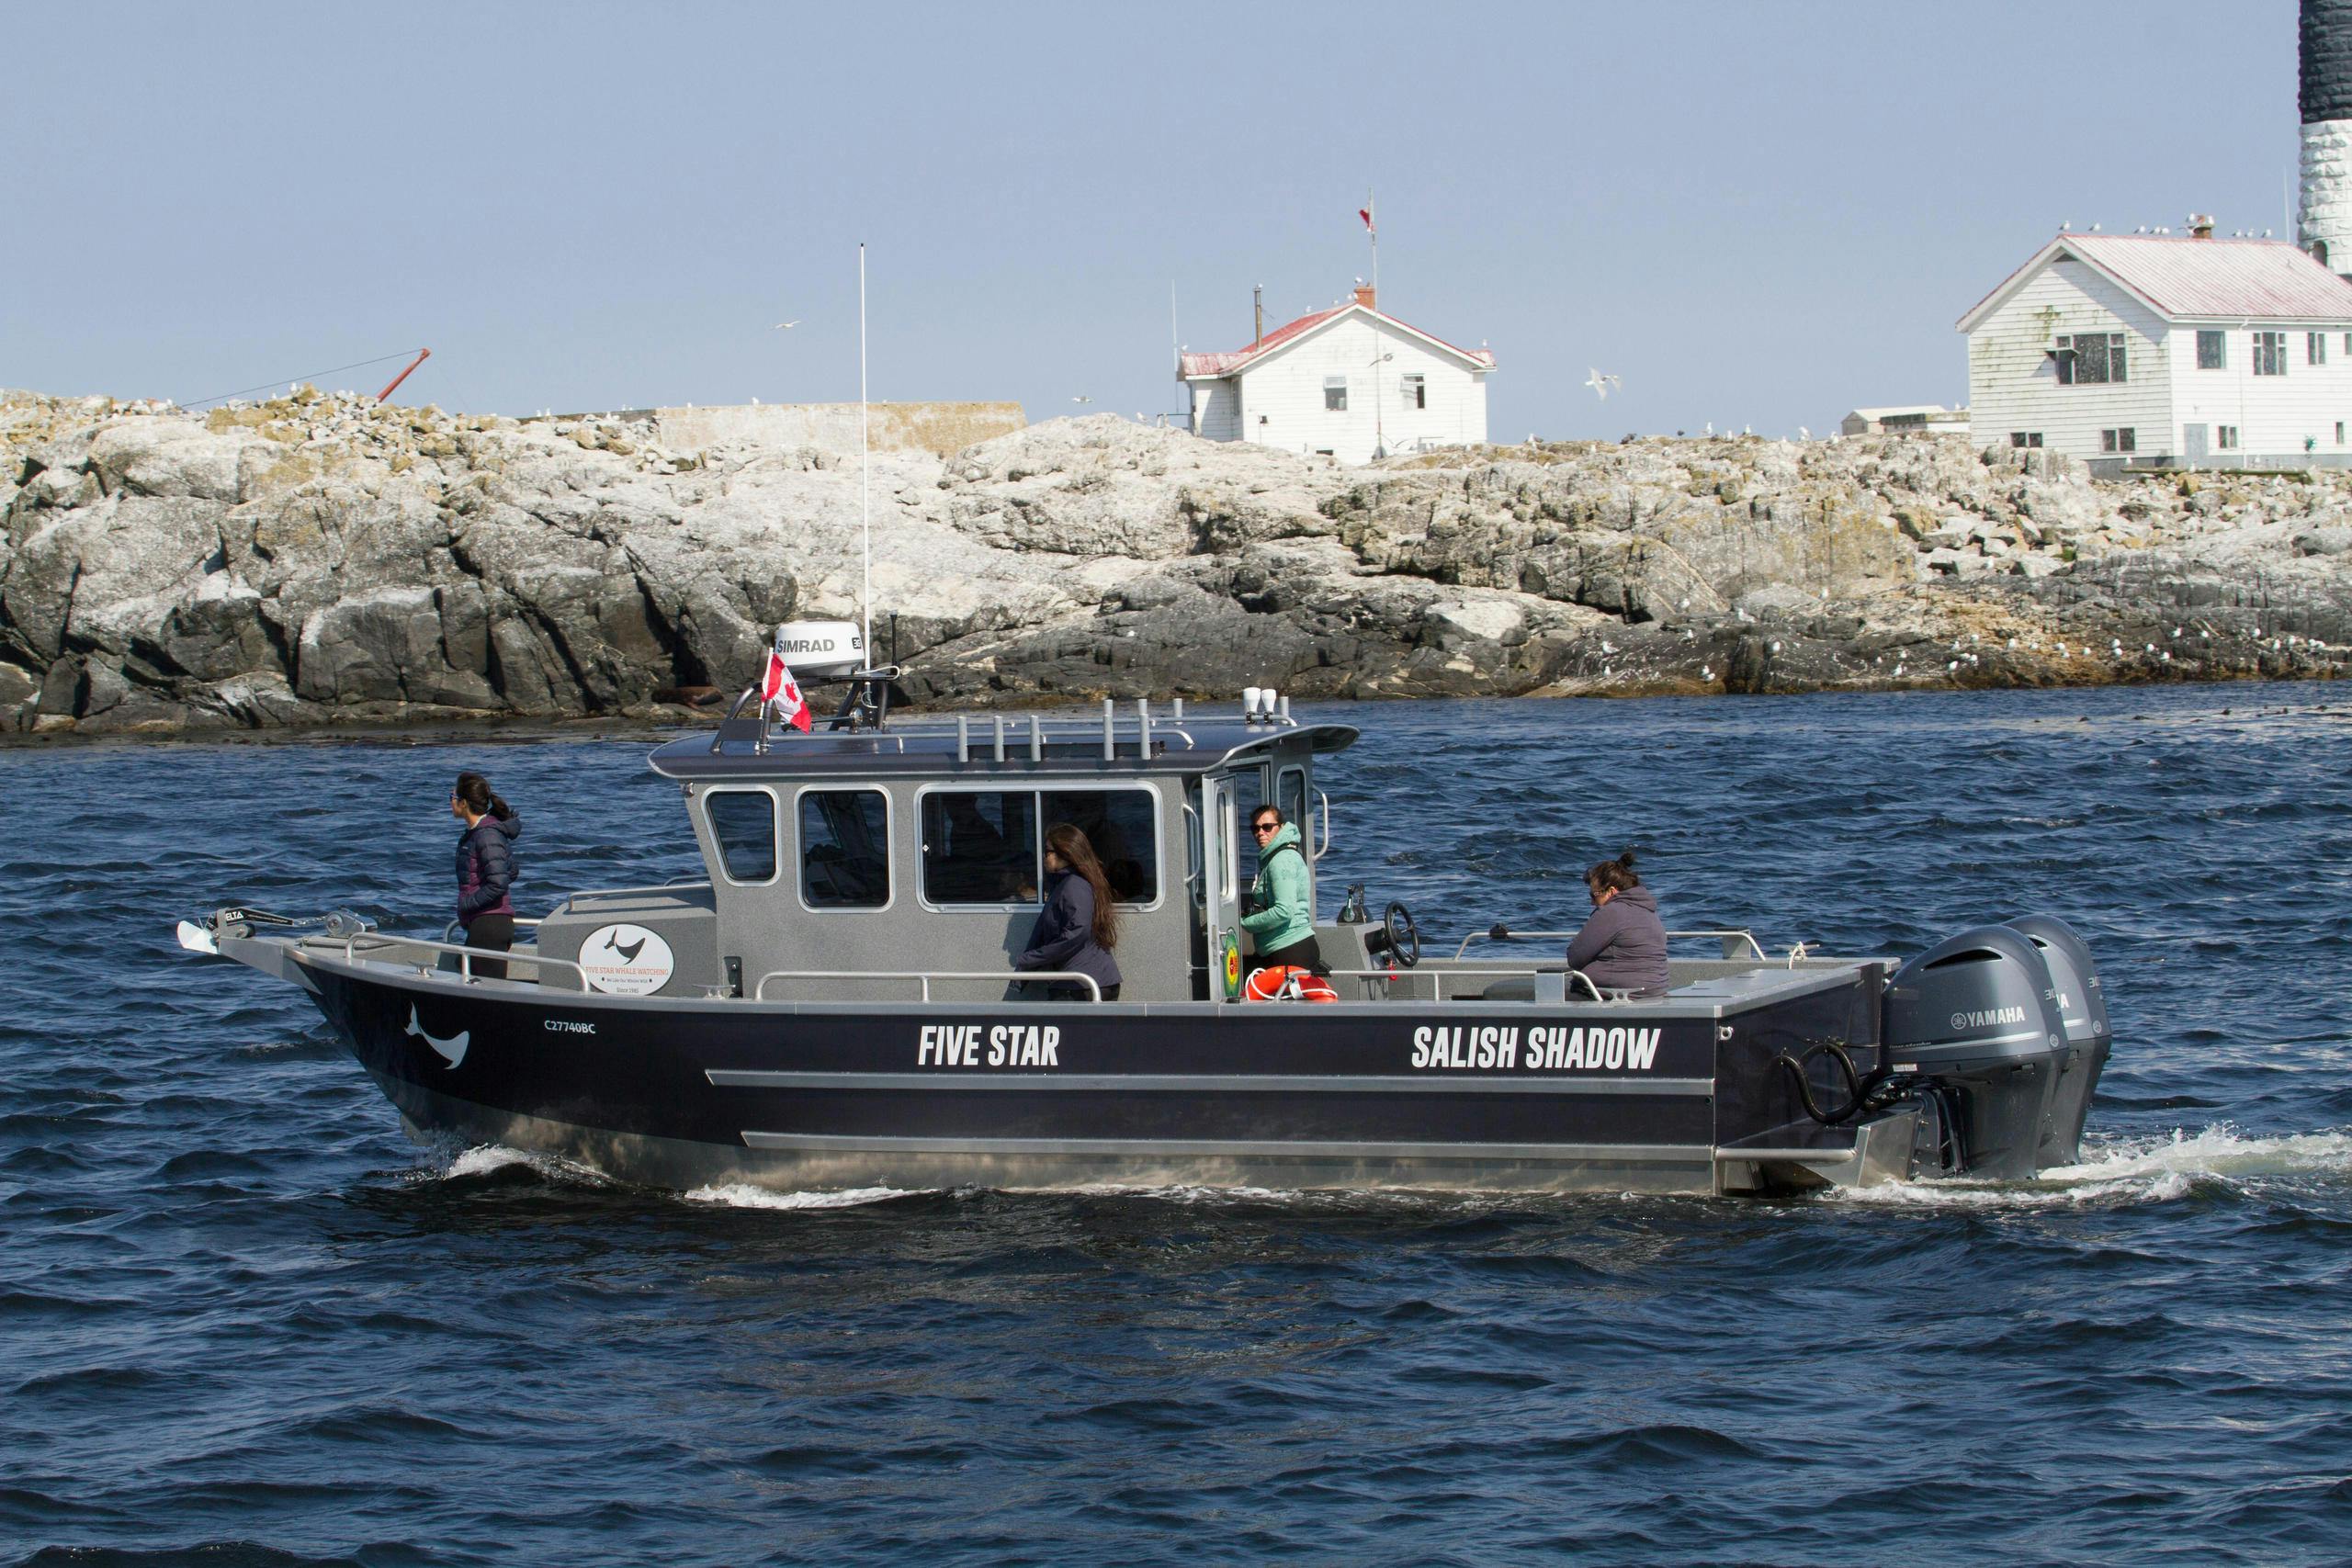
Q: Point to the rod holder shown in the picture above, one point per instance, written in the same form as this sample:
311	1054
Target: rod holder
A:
1110	717
1000	738
1143	728
1036	741
963	738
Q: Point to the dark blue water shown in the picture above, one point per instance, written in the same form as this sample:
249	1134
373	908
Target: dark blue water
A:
243	1320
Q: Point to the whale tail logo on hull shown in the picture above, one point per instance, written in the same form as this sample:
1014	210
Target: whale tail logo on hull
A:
452	1049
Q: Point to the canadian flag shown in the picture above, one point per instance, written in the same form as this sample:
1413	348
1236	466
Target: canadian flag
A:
1365	213
777	686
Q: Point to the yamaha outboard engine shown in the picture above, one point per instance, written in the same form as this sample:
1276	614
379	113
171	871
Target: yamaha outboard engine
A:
1975	1017
2083	1005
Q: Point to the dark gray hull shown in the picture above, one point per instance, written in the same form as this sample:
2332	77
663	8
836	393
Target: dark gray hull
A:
1673	1097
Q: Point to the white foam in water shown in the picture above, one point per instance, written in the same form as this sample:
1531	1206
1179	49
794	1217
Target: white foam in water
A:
484	1158
740	1195
2155	1170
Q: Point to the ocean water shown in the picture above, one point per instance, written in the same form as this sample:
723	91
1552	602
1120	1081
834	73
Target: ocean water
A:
243	1320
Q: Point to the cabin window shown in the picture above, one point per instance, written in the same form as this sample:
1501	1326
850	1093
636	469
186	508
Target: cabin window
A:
1122	826
979	847
2123	440
844	849
1417	392
2314	349
2090	358
1289	794
987	847
2225	437
2211	356
742	823
1335	393
2271	354
1248	790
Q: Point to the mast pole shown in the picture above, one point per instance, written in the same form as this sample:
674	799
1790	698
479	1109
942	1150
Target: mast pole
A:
864	488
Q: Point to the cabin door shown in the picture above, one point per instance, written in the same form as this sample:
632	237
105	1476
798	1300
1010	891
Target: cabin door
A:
1221	883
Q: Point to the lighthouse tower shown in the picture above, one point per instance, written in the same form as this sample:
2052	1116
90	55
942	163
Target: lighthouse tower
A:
2325	96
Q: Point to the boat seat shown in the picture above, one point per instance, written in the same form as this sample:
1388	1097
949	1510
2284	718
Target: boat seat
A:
1523	990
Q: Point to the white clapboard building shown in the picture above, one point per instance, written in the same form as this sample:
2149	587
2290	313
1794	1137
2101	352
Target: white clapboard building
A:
1348	382
2154	349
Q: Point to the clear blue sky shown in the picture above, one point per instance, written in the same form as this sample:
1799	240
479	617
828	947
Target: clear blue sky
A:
1761	213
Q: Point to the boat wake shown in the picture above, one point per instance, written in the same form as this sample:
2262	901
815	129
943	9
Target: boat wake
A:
741	1195
485	1160
2138	1170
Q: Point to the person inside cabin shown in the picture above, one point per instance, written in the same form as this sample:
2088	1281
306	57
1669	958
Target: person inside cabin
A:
485	869
1280	918
1623	945
1079	924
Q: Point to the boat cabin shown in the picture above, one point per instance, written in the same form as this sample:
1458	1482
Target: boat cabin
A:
905	862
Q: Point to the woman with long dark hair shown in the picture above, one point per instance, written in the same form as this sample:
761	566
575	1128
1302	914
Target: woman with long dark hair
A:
485	869
1079	924
1623	945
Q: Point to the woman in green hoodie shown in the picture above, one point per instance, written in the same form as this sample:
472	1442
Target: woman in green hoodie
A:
1284	922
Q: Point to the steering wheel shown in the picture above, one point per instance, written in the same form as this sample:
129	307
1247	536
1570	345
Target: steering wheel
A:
1404	936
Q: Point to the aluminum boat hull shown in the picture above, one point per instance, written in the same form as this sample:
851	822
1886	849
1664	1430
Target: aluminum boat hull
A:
1680	1096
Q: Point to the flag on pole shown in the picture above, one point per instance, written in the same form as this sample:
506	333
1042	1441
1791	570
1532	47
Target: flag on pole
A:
777	686
1365	213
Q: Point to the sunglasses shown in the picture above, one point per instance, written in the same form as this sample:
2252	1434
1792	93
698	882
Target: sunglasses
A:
1263	827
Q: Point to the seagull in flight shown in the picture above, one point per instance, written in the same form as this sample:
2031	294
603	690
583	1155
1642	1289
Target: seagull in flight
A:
785	326
1602	383
1081	400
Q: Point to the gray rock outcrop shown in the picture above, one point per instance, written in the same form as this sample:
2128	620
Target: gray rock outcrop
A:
321	558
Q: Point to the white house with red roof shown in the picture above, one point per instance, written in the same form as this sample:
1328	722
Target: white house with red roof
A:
1348	382
2158	349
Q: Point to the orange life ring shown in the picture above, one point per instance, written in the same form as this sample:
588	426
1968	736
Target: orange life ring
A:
1285	982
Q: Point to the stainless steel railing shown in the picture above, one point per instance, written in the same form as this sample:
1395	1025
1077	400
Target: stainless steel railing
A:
760	990
377	943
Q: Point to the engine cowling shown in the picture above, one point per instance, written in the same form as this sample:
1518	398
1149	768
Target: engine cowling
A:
2082	1003
1977	1016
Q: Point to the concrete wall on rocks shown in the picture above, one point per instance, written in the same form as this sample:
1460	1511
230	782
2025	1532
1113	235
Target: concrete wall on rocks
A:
941	429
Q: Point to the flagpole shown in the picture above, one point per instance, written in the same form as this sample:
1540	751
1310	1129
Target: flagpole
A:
864	490
1372	205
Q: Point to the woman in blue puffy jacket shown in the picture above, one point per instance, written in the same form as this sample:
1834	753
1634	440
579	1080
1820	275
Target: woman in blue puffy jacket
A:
1079	924
485	870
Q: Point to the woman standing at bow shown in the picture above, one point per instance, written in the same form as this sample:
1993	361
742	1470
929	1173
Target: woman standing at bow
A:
485	870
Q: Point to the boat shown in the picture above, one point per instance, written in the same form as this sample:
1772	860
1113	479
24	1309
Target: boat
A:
831	1006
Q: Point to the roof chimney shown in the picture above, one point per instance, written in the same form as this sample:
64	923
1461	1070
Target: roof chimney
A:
1364	297
2200	224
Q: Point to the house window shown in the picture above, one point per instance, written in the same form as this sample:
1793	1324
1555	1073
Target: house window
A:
1335	393
2314	349
2339	432
2090	358
1417	392
2209	353
2271	354
2225	437
844	849
2025	438
2347	345
2126	439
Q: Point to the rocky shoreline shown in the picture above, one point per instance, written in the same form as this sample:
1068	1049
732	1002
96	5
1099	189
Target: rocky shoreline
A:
320	559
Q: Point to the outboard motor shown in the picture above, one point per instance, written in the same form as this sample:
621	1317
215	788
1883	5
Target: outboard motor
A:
2082	1004
1975	1017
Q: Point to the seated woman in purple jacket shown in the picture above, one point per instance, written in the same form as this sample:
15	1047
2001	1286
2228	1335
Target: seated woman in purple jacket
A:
1622	946
1079	925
